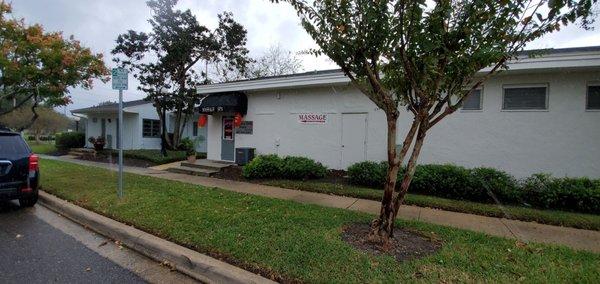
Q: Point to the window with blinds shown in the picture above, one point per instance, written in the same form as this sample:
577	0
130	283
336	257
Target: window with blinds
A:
593	97
526	97
151	128
473	101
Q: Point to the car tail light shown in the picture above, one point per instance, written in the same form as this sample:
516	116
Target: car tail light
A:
34	162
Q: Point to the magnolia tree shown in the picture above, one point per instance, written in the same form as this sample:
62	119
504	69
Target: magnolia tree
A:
426	57
166	60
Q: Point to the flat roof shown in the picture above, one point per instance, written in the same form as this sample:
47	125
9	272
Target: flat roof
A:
534	59
109	108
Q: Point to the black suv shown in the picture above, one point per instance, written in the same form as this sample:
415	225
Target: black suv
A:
19	169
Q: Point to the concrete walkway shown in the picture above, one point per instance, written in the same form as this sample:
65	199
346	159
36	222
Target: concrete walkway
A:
523	231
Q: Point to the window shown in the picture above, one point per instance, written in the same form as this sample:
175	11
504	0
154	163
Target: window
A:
525	97
227	128
473	101
151	128
593	97
194	128
12	145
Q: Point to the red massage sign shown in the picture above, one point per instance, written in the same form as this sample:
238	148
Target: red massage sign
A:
312	118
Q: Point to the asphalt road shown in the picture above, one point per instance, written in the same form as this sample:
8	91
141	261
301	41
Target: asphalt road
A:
40	246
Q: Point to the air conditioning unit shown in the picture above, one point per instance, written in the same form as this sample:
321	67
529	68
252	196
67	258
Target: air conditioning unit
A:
244	155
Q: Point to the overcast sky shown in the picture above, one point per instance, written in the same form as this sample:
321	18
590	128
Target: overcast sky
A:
96	23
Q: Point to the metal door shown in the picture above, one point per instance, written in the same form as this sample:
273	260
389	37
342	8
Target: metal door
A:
354	138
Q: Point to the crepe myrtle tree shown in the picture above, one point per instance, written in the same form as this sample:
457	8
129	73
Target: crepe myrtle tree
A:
164	59
427	57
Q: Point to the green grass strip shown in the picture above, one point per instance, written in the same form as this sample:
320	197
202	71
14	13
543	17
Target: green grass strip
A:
302	242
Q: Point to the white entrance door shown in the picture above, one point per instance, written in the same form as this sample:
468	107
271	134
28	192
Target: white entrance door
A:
354	138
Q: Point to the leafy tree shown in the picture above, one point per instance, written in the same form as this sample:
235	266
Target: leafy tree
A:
48	122
274	62
38	66
426	57
163	60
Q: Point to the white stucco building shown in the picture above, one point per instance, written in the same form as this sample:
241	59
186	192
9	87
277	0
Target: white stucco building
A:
141	127
542	115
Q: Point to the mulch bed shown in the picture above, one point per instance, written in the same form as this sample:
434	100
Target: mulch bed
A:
406	244
233	172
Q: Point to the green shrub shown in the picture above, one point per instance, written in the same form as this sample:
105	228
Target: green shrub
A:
492	185
302	168
574	194
371	174
68	140
263	166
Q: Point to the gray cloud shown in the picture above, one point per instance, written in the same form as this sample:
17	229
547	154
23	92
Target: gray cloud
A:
96	23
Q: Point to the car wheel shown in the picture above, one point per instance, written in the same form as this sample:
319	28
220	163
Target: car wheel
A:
29	201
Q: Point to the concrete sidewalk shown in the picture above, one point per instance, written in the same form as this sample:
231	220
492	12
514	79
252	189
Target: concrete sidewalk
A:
523	231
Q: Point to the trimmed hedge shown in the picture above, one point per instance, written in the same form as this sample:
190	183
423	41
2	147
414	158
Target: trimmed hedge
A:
479	184
490	185
263	166
68	140
272	166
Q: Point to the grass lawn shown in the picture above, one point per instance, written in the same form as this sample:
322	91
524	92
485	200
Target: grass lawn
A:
155	156
43	147
294	241
560	218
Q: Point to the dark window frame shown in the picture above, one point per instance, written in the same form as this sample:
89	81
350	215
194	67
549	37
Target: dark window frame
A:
154	133
480	89
195	128
524	86
587	96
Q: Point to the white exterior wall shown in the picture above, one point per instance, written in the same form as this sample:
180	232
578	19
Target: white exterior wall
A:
145	111
562	140
133	124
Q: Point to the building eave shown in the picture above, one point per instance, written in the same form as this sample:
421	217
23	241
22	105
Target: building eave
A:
297	81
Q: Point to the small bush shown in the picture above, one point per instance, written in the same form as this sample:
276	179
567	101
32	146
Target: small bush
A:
263	166
302	168
68	140
188	146
368	173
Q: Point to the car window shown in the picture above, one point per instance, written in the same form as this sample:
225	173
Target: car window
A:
11	145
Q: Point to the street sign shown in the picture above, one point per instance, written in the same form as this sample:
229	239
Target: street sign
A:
119	82
119	79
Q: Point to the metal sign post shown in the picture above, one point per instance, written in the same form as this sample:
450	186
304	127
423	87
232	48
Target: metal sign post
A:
119	82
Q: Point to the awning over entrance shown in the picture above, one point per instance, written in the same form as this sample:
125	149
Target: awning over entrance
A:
231	102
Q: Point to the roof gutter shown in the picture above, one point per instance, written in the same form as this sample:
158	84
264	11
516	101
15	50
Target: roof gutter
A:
550	62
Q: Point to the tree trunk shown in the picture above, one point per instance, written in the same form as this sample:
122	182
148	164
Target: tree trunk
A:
37	137
164	137
410	168
382	227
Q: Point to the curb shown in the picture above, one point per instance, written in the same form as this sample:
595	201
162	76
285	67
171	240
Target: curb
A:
194	264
